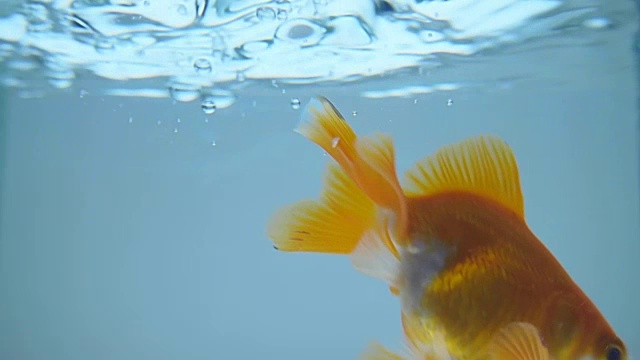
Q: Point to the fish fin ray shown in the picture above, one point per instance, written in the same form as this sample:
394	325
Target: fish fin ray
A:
323	124
334	224
369	162
376	256
518	341
378	172
424	339
483	165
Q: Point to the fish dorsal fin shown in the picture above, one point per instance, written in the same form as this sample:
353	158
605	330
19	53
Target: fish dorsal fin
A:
483	165
334	224
377	351
518	341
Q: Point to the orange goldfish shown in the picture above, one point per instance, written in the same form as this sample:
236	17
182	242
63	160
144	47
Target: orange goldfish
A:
451	242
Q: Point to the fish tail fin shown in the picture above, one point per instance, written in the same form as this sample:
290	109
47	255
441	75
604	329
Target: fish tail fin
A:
333	224
324	125
369	161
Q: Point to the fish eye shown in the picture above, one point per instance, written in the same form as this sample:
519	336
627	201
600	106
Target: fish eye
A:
614	352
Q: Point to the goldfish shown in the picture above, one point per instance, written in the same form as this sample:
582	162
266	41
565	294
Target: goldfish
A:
451	242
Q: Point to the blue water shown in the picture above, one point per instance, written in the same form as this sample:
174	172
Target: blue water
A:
132	219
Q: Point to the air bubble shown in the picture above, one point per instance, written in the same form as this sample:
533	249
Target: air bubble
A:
282	14
449	102
208	106
175	130
265	13
216	99
130	119
295	103
202	65
354	113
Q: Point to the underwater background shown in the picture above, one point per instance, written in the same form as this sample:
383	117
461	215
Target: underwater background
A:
145	144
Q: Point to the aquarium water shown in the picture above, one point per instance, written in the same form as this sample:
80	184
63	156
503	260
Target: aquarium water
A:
144	144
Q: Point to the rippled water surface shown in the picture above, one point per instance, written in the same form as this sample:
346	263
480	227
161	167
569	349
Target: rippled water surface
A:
144	145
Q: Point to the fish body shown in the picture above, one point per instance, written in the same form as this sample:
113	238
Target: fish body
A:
495	272
452	242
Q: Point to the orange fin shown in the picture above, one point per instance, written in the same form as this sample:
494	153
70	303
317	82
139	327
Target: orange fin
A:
377	174
518	341
377	351
324	125
424	339
369	162
334	224
482	165
377	256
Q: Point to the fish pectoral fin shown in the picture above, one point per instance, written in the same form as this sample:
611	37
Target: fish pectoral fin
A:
483	165
518	341
334	224
423	337
376	256
377	351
